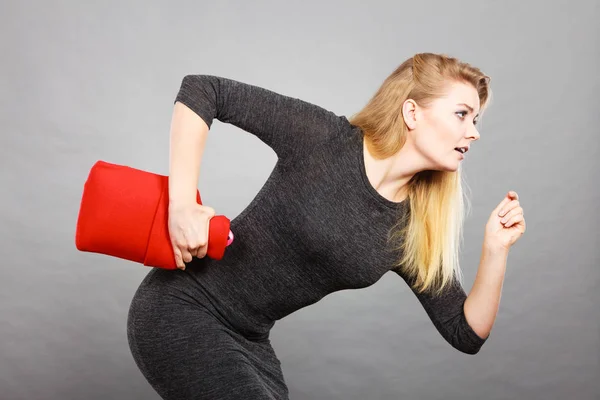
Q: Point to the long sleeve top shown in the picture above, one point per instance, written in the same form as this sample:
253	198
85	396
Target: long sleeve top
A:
316	226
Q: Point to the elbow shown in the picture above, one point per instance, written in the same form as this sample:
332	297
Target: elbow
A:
472	345
471	350
467	348
189	83
468	342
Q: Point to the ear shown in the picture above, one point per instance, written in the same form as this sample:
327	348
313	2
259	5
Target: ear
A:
409	109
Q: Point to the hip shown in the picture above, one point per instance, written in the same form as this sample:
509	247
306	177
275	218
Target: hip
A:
199	291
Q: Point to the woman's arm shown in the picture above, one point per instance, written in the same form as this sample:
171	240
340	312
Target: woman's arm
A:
289	126
188	135
447	313
481	306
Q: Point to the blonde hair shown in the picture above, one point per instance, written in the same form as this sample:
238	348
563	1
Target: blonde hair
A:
431	236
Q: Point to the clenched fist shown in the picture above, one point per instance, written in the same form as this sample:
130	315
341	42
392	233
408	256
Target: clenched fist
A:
506	224
188	230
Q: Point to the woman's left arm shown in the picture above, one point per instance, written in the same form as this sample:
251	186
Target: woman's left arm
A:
481	305
466	321
447	313
504	227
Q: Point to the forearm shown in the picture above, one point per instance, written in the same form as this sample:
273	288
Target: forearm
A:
188	134
481	305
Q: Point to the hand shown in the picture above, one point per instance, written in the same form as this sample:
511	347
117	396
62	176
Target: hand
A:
506	224
188	230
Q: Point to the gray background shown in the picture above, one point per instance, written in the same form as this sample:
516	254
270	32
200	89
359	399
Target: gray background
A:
83	81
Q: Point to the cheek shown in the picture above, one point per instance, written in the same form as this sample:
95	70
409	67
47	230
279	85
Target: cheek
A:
448	132
438	139
429	144
437	135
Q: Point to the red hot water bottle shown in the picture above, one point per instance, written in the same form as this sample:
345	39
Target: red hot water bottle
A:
124	214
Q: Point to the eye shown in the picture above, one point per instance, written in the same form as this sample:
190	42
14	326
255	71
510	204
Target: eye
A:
463	114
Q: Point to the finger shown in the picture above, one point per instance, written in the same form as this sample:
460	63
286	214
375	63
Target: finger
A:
186	255
507	199
196	247
510	196
517	218
178	258
510	206
202	251
202	243
511	213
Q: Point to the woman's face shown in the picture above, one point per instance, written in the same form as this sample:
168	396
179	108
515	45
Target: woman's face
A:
448	123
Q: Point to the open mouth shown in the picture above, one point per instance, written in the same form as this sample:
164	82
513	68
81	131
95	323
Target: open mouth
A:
461	150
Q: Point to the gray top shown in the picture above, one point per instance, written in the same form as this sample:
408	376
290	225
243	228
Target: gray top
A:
316	226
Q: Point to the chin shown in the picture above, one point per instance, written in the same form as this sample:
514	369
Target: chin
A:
438	165
448	168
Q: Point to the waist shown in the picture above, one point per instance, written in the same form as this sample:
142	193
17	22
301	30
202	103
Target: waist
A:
213	295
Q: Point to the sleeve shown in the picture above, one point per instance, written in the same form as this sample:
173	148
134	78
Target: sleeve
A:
287	125
446	311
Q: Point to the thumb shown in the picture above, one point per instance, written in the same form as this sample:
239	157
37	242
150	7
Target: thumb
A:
210	211
507	199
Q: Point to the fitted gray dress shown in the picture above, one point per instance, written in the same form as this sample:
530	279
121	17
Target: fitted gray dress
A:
316	226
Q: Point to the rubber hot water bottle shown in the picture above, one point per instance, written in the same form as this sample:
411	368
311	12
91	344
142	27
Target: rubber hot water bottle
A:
124	214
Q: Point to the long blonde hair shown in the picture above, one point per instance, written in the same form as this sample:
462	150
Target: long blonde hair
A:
431	236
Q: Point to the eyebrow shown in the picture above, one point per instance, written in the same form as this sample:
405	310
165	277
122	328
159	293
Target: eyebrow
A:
468	106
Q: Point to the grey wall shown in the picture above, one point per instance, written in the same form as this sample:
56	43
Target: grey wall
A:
81	82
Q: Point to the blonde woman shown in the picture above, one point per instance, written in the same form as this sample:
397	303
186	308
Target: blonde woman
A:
347	201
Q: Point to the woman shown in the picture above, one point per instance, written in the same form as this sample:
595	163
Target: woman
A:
347	201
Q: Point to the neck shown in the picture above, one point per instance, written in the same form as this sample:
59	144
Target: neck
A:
391	175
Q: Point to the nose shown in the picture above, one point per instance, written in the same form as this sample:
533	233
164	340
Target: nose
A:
473	133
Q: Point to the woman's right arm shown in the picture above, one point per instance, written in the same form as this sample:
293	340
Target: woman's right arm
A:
188	220
188	135
290	126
